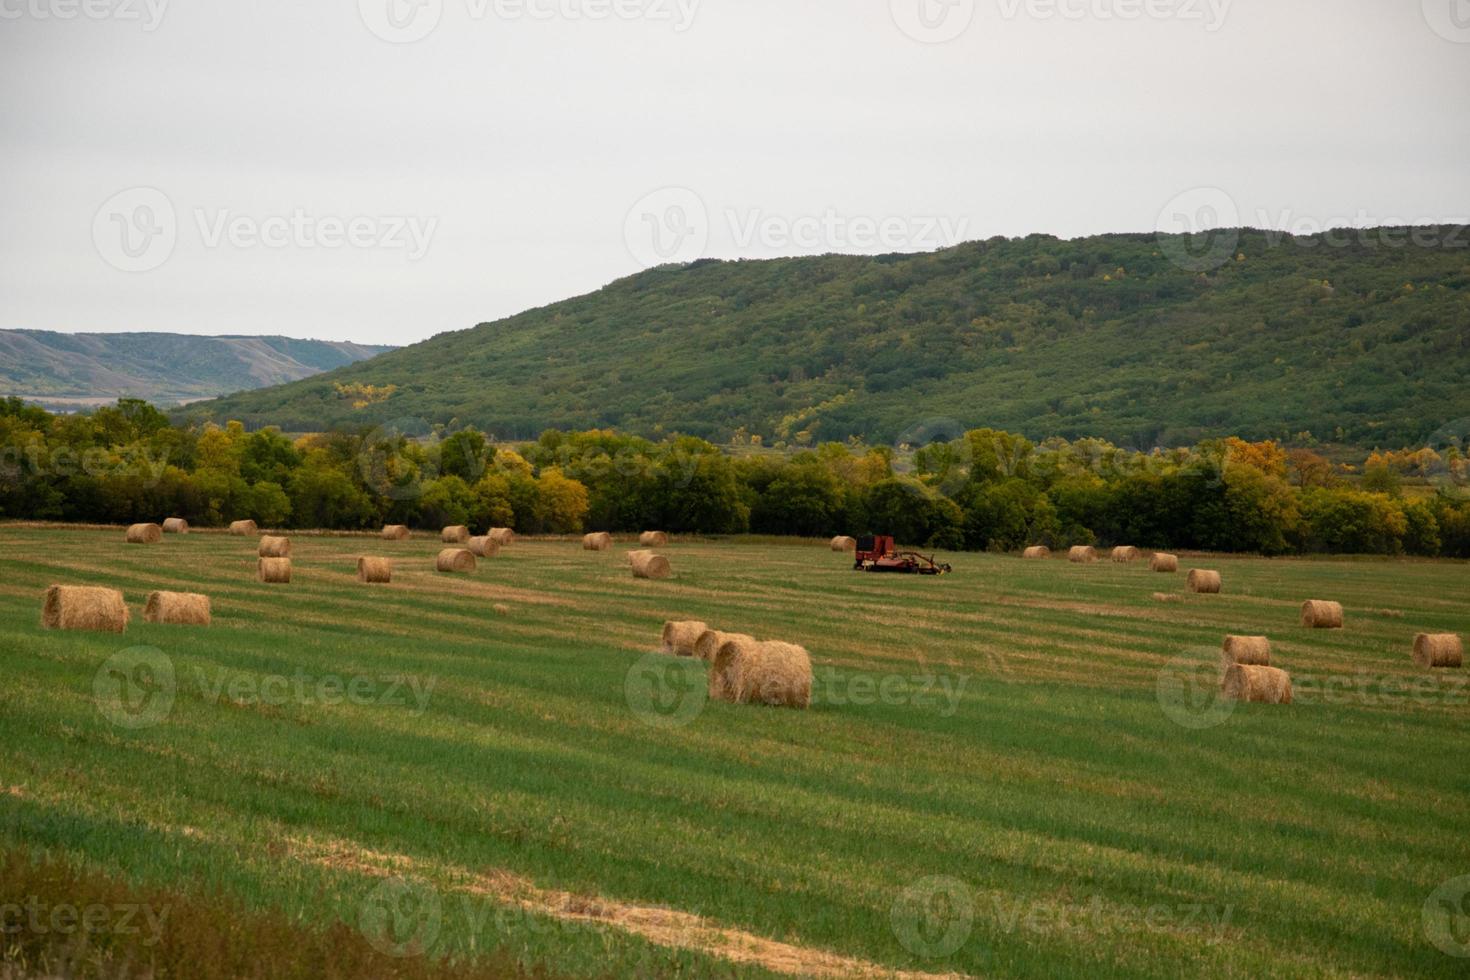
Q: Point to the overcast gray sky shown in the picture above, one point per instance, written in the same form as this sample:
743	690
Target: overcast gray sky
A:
386	170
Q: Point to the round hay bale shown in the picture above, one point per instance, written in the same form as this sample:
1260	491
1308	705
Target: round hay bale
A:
485	547
1318	614
844	543
597	541
243	529
84	607
708	643
1204	581
455	560
145	534
1263	685
771	673
1439	650
633	555
1125	553
679	636
651	566
177	608
1252	650
395	532
275	570
1164	562
374	570
1036	551
654	539
724	665
1082	554
503	535
175	525
274	547
455	534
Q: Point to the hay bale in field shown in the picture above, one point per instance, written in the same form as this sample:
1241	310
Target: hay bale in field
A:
1439	650
1036	551
274	570
503	535
654	539
1164	562
485	547
455	560
175	525
1125	553
708	643
634	555
455	534
243	529
177	608
679	636
1263	685
274	547
395	532
651	566
1252	650
84	607
1318	614
597	541
1082	554
145	534
1204	581
844	543
374	570
772	673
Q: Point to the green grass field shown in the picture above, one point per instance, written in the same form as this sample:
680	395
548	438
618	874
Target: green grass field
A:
1016	770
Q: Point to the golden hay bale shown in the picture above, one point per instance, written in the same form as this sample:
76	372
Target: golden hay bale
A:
709	642
597	541
651	566
243	529
1319	614
1164	562
1439	650
375	570
485	547
679	636
273	547
1037	551
395	532
1204	581
456	560
84	607
1125	553
1264	685
455	534
275	570
634	555
770	673
654	539
503	535
1082	554
145	534
178	608
1252	650
175	525
843	543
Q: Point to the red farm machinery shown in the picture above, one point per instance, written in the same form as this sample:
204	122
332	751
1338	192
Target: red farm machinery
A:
879	553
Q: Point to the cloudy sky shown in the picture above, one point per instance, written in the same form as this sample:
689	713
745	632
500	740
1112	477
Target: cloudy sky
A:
385	170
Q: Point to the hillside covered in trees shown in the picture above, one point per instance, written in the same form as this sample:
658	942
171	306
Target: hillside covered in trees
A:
1358	337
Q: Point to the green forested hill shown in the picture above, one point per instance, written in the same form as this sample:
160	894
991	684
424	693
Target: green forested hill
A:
1364	341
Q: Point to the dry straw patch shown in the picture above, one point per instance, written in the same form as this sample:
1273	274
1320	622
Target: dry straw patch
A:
84	607
144	534
178	608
